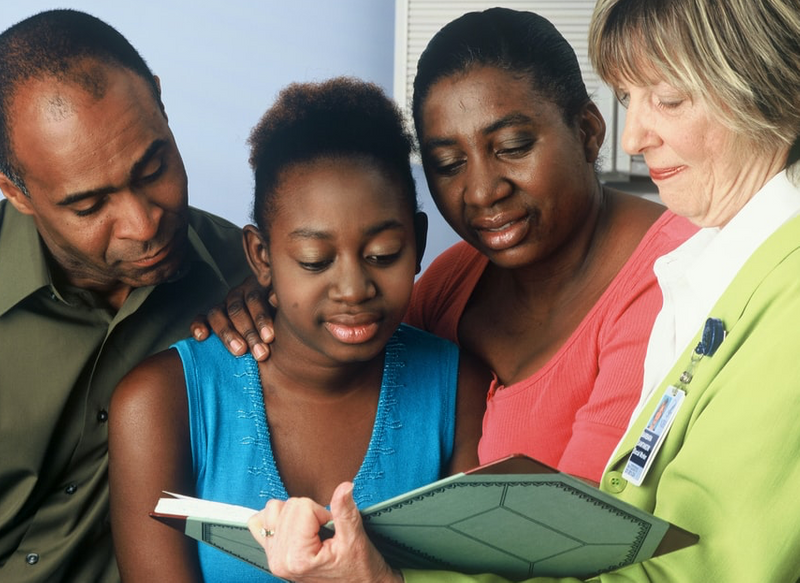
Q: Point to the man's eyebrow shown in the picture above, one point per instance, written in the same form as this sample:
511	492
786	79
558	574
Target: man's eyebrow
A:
79	196
510	120
104	190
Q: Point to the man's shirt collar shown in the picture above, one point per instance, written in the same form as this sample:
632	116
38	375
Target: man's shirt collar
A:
23	262
23	266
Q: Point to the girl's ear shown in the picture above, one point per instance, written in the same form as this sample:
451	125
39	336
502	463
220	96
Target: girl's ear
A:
255	248
257	251
593	131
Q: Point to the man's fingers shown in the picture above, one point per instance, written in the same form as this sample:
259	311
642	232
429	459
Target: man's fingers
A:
199	327
245	304
243	322
257	308
261	316
257	300
223	327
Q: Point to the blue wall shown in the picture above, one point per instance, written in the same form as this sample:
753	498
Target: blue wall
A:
222	64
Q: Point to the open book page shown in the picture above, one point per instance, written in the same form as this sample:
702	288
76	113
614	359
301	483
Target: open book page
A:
185	506
220	525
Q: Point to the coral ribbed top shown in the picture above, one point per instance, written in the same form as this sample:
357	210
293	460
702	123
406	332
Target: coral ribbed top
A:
571	413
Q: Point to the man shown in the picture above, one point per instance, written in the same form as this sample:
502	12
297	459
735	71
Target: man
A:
102	263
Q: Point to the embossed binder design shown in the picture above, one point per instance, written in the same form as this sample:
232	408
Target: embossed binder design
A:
515	517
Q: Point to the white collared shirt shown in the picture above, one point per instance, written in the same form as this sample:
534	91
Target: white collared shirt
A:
693	277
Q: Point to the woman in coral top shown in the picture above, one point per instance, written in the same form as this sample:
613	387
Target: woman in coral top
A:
553	286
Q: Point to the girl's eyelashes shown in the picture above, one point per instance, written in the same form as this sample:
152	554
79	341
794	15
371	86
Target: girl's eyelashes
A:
380	260
314	265
384	259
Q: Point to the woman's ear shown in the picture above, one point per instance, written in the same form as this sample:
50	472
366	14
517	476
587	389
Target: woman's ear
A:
593	131
256	250
420	236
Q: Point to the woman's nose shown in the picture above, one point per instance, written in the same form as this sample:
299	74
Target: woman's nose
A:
638	133
484	183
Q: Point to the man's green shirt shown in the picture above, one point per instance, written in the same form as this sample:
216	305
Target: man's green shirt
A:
62	353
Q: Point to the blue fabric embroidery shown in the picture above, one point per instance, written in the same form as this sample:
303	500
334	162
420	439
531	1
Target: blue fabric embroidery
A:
412	437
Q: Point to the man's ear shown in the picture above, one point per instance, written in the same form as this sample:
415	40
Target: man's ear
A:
421	236
255	248
15	196
593	131
160	101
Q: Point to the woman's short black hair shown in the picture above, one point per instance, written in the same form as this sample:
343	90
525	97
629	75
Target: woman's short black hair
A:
522	43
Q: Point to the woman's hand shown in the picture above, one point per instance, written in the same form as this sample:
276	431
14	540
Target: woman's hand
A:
243	320
289	532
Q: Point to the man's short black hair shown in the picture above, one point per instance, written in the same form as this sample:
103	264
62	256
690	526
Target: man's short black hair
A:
57	44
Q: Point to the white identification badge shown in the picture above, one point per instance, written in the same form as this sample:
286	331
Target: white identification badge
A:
653	436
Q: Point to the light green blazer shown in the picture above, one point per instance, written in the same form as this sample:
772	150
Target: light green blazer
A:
729	469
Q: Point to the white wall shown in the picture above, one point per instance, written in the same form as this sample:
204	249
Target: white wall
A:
221	65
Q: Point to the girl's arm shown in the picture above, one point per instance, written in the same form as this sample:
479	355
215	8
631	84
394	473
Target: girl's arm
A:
149	452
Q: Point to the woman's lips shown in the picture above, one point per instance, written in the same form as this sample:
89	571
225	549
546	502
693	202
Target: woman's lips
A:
504	235
665	173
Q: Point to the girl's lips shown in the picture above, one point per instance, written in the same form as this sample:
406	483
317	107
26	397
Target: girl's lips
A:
353	333
664	173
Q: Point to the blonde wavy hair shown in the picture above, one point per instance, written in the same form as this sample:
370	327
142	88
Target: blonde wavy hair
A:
741	56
